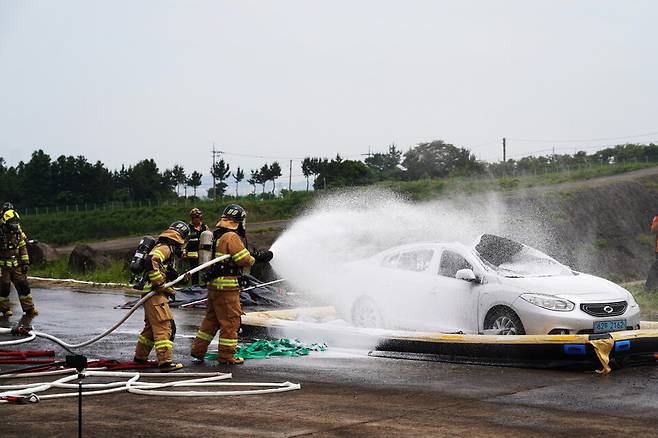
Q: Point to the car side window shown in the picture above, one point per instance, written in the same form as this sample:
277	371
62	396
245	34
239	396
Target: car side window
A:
416	261
451	262
391	261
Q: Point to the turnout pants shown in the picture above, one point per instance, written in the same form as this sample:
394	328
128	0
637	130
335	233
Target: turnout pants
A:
15	275
159	330
223	314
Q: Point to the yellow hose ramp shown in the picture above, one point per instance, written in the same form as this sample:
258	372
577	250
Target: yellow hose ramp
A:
600	352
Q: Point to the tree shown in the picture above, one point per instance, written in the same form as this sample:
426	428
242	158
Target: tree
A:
386	165
238	176
179	176
35	179
253	180
263	176
307	171
194	181
437	160
220	171
339	173
274	173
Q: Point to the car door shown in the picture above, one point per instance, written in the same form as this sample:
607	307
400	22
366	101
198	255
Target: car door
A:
408	280
454	302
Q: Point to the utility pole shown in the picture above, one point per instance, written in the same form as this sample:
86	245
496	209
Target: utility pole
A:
290	178
504	151
215	153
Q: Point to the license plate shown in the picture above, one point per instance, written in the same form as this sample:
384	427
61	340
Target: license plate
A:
609	326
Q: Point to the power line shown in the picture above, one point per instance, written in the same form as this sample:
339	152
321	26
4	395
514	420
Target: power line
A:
585	140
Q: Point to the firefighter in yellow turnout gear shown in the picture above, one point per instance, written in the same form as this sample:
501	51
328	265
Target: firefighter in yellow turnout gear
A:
159	327
14	264
191	250
223	310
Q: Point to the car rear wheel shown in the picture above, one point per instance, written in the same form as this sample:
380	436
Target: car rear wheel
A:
504	321
365	313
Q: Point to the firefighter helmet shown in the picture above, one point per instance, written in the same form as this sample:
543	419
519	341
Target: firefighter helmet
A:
232	217
7	206
177	231
11	219
195	212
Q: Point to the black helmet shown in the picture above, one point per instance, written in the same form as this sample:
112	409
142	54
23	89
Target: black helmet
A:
181	228
235	213
178	231
7	206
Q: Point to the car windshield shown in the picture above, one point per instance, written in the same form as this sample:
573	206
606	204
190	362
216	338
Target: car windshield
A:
513	259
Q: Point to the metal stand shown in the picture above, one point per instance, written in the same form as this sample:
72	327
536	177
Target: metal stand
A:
79	363
80	377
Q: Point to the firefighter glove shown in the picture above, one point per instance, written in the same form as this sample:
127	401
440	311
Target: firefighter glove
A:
25	268
262	256
170	292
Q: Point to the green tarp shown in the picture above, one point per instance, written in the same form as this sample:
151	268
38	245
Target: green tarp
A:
279	347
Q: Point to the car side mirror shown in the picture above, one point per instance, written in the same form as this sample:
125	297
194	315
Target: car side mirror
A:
466	275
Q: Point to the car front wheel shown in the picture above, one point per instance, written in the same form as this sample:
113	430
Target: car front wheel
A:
365	313
504	321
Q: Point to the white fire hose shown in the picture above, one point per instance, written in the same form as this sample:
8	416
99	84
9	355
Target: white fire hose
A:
133	385
33	333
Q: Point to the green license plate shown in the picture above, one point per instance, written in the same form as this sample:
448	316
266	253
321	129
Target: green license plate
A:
609	326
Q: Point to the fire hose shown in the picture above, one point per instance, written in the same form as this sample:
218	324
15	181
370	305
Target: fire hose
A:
27	393
204	300
32	334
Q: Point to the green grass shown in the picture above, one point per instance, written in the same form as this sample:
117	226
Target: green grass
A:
83	226
648	301
115	273
63	228
430	188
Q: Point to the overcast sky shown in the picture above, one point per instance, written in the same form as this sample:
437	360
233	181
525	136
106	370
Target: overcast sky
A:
119	81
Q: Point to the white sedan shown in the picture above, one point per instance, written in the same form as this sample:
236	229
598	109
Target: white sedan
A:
496	286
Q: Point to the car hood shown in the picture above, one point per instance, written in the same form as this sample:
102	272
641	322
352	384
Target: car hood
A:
581	287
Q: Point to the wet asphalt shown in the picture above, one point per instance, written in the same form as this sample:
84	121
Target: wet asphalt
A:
344	391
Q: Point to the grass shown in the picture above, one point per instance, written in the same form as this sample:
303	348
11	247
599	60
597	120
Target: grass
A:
648	301
83	226
116	273
430	188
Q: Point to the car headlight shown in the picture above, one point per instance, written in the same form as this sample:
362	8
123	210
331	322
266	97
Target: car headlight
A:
549	302
631	300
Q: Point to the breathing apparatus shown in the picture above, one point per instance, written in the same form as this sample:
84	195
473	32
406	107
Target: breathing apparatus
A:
139	261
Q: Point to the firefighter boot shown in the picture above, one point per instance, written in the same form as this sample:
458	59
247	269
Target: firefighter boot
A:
5	305
231	361
168	367
25	297
226	356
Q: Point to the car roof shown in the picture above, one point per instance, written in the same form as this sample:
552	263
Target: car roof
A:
455	246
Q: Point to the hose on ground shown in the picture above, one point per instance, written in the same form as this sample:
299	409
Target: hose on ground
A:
133	385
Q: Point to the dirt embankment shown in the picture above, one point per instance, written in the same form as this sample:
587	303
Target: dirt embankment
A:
599	226
261	235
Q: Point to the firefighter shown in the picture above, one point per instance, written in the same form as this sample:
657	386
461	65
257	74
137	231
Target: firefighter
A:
223	310
14	264
191	251
159	327
652	279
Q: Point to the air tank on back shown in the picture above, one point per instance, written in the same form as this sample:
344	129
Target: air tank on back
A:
205	247
145	246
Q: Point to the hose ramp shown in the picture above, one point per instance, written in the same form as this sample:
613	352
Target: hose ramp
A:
600	352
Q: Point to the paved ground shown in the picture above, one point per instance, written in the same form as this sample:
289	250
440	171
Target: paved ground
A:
344	392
